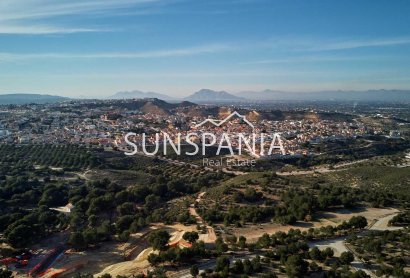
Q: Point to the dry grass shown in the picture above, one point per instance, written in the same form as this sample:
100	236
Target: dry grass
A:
253	232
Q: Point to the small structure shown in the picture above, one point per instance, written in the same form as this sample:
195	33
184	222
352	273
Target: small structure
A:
66	209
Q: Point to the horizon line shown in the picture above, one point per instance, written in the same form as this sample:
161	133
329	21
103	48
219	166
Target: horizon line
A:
186	96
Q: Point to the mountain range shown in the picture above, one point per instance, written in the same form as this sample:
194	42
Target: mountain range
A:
211	96
139	94
207	95
29	98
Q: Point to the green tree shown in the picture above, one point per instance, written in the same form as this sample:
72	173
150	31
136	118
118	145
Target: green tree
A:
54	196
124	222
221	263
232	239
93	220
191	237
90	236
346	257
238	267
77	241
315	254
154	259
151	201
361	274
104	231
220	246
296	266
242	242
251	195
314	266
20	236
264	241
247	266
124	236
358	222
328	253
5	273
159	240
126	208
256	264
194	270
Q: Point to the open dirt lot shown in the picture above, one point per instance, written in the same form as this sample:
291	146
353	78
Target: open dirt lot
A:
115	258
334	218
139	263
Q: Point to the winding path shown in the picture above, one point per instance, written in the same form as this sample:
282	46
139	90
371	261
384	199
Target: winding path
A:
339	244
210	236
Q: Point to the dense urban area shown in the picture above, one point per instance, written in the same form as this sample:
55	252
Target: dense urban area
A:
335	204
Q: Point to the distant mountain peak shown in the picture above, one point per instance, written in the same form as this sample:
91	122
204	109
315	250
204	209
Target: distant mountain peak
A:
208	95
139	94
25	98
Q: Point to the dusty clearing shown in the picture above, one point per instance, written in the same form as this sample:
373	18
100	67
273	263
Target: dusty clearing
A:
139	264
86	262
320	170
253	232
114	258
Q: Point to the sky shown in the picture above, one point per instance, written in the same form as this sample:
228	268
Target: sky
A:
95	48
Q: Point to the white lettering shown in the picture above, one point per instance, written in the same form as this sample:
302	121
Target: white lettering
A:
144	149
276	136
167	138
130	143
204	144
188	140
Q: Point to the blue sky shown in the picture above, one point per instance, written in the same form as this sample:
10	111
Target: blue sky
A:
94	48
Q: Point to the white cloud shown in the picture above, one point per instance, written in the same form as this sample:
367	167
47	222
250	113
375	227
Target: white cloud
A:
308	59
40	9
318	44
42	29
354	43
37	16
327	59
189	51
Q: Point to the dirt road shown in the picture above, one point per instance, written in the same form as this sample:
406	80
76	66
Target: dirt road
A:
338	244
321	169
210	236
382	224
